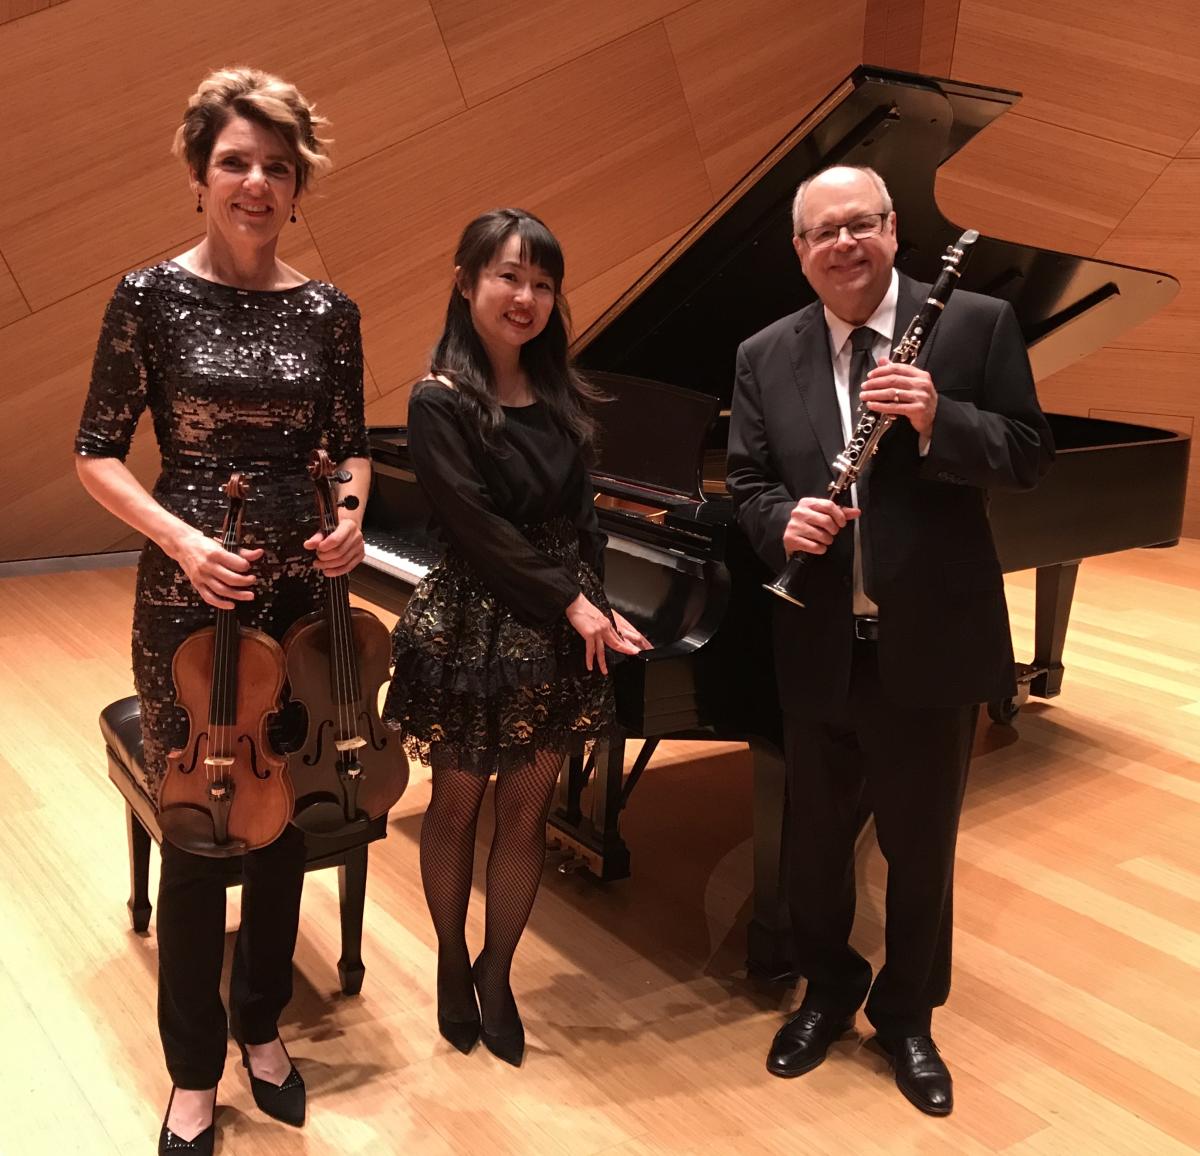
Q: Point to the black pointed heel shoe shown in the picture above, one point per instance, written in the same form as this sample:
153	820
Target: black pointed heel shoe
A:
508	1044
457	1007
199	1145
462	1034
285	1102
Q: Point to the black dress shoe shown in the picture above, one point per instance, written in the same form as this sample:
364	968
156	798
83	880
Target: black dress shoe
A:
285	1102
803	1042
505	1039
921	1074
199	1145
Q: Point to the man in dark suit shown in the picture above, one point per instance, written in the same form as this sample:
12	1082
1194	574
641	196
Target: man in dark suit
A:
905	628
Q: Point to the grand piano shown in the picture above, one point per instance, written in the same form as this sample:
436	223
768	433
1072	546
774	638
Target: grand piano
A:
676	563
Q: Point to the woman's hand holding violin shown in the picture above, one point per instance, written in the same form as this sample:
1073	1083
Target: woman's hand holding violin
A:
221	578
339	552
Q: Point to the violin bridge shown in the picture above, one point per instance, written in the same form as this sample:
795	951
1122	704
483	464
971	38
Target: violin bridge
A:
350	744
218	761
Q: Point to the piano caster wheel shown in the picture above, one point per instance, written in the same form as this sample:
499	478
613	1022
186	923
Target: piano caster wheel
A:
1004	710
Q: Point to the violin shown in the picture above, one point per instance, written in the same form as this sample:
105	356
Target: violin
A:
351	768
226	790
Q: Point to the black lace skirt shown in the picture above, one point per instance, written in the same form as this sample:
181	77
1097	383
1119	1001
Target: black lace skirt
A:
476	689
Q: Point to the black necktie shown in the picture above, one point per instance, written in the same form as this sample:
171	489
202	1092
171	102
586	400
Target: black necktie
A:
862	361
862	341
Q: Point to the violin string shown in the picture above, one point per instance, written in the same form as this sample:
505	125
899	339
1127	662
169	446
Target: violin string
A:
338	620
340	645
223	641
223	644
347	647
332	625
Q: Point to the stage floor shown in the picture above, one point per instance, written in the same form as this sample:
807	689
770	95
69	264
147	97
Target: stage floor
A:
1072	1027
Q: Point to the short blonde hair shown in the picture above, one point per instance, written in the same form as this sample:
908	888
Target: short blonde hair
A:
262	98
885	197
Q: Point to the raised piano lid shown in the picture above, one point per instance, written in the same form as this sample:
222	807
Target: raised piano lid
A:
735	270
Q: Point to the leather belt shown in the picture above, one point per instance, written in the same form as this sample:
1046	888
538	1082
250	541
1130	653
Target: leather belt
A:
866	629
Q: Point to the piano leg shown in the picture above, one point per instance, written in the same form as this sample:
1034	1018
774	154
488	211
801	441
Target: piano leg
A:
769	936
1055	590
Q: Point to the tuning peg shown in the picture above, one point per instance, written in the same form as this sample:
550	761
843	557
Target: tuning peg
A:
342	476
350	502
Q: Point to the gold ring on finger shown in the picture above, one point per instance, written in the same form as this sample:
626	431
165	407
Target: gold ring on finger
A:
895	396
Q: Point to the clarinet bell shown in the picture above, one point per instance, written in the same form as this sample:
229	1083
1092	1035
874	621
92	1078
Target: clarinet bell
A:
789	583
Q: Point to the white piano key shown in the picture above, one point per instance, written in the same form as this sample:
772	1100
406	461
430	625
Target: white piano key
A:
408	570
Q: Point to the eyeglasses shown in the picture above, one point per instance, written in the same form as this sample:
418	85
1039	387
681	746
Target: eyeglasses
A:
822	236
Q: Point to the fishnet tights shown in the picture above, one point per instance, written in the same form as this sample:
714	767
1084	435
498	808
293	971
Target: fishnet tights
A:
514	870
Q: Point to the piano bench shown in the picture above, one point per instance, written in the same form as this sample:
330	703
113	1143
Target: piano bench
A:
121	726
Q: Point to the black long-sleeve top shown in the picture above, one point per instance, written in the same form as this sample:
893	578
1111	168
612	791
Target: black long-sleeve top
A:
481	497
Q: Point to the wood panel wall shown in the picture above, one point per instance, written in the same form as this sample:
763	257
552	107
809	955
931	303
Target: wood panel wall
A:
912	35
15	9
1101	157
619	122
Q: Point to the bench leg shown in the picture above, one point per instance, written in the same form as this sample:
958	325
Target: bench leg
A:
352	892
139	871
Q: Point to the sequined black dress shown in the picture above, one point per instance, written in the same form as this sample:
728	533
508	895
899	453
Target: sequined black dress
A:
234	380
488	671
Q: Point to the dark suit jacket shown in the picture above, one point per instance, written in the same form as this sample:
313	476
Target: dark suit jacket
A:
944	634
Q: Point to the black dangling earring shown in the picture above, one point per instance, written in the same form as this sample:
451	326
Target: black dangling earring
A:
199	204
293	212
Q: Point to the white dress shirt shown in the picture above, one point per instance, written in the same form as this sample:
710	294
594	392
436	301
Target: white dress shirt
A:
883	322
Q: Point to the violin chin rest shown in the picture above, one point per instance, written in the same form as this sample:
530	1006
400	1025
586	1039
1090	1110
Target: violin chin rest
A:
191	828
321	814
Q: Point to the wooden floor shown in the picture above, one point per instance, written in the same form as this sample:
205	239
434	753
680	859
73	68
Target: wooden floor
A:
1072	1028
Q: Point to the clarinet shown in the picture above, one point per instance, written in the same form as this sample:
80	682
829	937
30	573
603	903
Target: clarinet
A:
870	426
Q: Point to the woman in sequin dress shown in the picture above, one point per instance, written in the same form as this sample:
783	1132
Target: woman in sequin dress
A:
244	364
500	655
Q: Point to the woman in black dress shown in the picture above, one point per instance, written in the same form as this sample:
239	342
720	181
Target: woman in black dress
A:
244	364
500	656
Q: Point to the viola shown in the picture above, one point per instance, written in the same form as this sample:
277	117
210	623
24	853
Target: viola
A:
351	768
226	790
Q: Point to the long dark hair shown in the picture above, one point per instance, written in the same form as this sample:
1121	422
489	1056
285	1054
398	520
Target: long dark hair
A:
460	355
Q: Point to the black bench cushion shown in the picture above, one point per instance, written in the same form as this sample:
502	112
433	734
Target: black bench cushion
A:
121	726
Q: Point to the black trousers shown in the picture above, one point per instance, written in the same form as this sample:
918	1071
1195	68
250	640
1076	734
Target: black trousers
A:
191	948
908	766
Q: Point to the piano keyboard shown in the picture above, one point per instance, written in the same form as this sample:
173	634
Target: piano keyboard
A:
399	557
409	561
